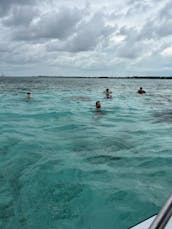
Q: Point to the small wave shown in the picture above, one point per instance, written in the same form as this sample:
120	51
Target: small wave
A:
101	159
164	116
80	98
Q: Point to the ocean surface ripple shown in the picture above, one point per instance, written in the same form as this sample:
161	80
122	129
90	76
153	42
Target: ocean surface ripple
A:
64	165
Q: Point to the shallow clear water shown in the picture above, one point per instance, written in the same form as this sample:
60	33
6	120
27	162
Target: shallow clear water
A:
63	165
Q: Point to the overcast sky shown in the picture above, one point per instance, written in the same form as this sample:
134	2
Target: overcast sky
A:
86	38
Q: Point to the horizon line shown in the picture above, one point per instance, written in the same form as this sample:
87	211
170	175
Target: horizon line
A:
100	77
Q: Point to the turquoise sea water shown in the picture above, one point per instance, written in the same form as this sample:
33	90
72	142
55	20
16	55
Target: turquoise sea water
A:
65	166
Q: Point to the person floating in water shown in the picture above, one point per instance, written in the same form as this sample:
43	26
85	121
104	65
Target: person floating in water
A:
98	106
29	95
108	93
141	91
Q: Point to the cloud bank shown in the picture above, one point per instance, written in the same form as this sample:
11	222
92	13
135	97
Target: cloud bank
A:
85	38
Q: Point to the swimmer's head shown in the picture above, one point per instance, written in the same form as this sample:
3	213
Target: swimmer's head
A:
98	105
29	95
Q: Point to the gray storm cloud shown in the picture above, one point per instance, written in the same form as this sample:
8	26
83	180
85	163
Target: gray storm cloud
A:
7	5
53	25
87	36
20	16
124	33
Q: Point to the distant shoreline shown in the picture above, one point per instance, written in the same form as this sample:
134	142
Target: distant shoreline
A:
93	77
110	77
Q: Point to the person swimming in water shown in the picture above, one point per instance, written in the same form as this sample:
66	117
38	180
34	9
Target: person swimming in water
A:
141	91
108	93
98	106
29	95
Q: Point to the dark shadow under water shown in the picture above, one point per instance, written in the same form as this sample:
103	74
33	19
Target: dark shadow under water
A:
163	116
101	159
